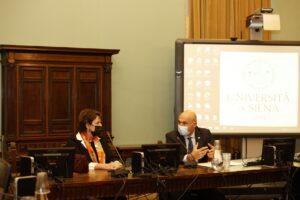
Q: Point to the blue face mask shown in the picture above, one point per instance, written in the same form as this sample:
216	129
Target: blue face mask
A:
183	130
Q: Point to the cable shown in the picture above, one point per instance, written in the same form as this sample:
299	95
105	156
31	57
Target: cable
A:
158	170
121	189
290	177
188	187
238	196
225	183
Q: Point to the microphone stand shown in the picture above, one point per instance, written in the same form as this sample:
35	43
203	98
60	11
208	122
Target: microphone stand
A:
187	164
122	172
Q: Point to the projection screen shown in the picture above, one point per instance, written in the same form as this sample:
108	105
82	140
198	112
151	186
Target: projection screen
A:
241	87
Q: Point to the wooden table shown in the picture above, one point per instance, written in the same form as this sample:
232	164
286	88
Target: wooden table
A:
100	183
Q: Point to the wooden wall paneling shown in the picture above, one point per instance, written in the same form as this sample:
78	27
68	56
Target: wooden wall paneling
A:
61	102
44	89
88	89
9	100
32	96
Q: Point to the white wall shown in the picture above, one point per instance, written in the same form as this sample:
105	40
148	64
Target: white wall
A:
143	71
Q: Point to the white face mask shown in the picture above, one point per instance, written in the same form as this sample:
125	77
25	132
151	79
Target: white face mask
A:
183	130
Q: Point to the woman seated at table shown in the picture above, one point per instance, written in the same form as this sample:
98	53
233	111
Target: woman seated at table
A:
91	147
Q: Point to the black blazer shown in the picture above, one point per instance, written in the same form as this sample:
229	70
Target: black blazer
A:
202	136
80	149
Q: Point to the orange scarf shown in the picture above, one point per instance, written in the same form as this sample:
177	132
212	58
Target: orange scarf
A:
99	149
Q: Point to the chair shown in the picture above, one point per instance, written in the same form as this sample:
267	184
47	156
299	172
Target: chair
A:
5	169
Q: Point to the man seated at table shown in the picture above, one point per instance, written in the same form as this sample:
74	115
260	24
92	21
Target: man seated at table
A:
197	146
197	143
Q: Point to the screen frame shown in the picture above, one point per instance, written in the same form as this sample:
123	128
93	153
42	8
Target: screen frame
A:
179	78
158	148
25	186
60	154
285	143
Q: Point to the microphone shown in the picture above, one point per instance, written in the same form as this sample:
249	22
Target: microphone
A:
122	172
187	164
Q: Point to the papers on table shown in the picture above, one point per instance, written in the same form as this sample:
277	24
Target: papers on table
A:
238	162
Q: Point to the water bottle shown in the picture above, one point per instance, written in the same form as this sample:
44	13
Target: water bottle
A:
217	161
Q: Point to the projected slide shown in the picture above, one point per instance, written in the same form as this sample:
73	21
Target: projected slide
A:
242	88
258	89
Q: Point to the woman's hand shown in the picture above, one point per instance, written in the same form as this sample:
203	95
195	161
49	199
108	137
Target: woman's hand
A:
109	166
117	165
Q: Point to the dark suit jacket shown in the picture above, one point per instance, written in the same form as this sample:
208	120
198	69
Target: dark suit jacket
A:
202	136
80	149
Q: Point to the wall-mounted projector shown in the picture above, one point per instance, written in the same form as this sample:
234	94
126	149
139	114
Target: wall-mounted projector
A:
260	20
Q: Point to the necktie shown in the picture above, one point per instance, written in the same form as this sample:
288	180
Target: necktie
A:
190	145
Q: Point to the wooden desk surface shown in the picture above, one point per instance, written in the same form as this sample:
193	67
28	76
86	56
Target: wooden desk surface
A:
99	183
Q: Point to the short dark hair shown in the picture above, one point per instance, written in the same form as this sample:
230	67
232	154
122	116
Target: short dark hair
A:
87	116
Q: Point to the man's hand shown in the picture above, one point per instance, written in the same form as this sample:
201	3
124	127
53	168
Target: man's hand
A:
197	154
210	152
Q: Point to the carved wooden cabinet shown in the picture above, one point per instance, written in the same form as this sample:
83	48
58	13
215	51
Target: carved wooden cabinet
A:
44	89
